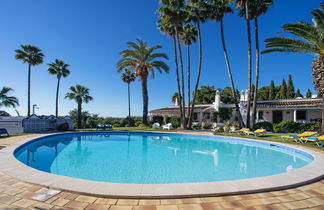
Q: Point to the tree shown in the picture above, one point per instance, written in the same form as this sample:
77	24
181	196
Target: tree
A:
197	10
263	93
243	5
143	60
7	100
283	90
290	88
59	69
33	56
309	41
128	76
298	94
84	116
188	36
171	17
308	94
216	11
272	91
205	95
227	96
80	94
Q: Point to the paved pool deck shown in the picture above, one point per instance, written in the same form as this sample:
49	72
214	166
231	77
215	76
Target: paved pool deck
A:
17	194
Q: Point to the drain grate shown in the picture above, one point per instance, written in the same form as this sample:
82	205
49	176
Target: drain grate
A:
44	196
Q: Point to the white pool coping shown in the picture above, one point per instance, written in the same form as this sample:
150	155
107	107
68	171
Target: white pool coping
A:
14	168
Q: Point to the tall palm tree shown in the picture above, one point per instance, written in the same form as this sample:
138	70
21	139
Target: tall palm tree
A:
197	10
218	9
188	36
244	5
7	100
143	60
128	76
60	69
80	94
172	15
256	9
33	56
309	41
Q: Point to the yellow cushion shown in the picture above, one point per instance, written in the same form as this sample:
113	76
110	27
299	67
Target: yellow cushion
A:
306	134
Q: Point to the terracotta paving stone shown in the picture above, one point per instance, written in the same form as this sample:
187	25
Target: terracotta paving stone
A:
295	205
190	207
23	203
63	194
146	207
76	205
121	208
317	208
231	204
40	205
8	199
317	201
312	192
300	196
268	201
191	200
212	199
94	206
170	201
86	199
127	202
13	191
51	199
26	194
33	188
211	206
106	201
167	207
286	198
60	202
251	202
310	203
71	196
149	202
60	208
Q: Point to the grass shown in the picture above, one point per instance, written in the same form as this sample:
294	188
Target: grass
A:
273	137
11	135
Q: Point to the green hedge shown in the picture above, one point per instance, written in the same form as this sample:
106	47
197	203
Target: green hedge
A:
289	126
264	125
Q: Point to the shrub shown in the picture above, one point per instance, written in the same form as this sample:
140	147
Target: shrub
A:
195	126
219	129
137	123
175	121
264	125
286	126
63	127
207	125
316	127
158	119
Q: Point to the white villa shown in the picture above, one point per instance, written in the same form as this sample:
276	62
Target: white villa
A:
275	111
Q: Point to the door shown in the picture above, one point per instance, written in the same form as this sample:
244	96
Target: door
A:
276	116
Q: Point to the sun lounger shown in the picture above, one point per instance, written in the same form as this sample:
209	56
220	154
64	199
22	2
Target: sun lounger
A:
317	140
100	126
3	131
256	132
167	126
108	126
241	131
298	137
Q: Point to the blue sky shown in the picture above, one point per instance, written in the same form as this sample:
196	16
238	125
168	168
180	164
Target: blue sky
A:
89	34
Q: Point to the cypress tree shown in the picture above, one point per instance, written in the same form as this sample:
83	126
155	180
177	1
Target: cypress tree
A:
290	88
283	90
308	94
272	91
298	94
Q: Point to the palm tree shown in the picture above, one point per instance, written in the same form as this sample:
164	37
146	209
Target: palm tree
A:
172	15
6	100
197	10
309	41
244	5
60	69
256	9
218	9
80	94
141	59
188	36
33	56
128	76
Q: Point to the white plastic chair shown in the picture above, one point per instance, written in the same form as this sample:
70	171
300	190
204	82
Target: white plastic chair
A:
167	126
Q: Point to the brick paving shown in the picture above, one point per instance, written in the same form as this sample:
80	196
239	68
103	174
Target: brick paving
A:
15	194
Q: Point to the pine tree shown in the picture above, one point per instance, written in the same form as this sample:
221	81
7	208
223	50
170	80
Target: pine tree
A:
308	94
283	90
298	94
290	88
272	91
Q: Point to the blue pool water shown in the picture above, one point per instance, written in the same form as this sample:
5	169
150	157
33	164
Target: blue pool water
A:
147	158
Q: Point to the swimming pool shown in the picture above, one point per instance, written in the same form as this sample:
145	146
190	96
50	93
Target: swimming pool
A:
158	158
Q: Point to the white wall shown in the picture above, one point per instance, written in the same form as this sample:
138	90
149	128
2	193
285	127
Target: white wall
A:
313	114
288	116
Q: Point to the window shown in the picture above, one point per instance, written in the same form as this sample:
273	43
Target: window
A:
195	116
206	116
301	115
260	115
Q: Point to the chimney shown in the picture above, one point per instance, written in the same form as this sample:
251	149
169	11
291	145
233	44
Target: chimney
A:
217	100
176	103
242	96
